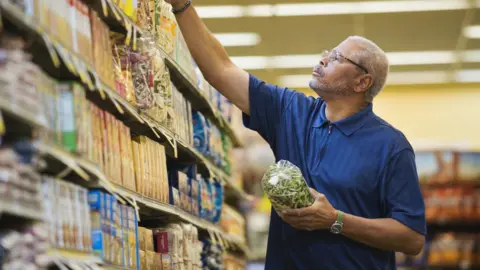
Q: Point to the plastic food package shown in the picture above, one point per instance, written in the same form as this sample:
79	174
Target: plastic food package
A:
285	186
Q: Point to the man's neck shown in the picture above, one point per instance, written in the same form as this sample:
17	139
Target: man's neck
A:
339	109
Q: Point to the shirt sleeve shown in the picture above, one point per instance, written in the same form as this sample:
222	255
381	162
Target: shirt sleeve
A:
403	196
267	105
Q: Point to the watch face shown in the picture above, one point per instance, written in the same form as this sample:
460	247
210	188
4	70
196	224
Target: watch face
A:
336	228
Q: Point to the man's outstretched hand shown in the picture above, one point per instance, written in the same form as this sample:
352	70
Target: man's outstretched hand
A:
177	4
320	215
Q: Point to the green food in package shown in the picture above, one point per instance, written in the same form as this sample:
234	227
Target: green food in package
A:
285	186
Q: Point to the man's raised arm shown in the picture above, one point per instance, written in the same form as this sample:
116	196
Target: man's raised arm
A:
211	57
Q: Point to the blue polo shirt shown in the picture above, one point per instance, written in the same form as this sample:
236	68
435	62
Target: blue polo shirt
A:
363	165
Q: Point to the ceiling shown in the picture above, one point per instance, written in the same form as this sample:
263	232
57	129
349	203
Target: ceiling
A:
417	31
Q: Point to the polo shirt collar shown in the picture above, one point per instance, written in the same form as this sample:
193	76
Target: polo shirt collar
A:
349	125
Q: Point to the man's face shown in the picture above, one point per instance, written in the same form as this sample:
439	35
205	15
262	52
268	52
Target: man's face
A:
334	75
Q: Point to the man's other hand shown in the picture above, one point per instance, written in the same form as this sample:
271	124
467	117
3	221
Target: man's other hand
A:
320	215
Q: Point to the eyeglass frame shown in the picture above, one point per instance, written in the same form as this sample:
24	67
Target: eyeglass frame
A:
338	55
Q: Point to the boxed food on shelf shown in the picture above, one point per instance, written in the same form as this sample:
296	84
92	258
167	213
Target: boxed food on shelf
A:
211	142
182	117
67	214
111	224
103	60
150	169
179	242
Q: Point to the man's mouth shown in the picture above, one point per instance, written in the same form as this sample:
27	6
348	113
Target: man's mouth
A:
317	73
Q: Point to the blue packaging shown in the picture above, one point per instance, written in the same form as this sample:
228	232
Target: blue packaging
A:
217	200
200	132
96	201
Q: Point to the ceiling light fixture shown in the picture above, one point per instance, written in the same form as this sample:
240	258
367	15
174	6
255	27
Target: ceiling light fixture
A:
395	59
397	78
333	8
472	31
238	39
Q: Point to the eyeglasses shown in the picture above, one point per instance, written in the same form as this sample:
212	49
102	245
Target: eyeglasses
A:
336	55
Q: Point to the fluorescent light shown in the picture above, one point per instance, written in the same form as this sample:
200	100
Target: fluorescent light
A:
260	10
294	61
472	31
251	62
333	8
294	81
395	59
238	39
468	75
417	77
220	11
398	78
420	58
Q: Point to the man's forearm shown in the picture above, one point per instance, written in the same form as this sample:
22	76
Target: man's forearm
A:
385	233
209	54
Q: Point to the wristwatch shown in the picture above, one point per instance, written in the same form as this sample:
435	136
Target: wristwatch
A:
337	226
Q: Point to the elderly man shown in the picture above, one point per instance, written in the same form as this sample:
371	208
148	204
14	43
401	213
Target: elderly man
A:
361	170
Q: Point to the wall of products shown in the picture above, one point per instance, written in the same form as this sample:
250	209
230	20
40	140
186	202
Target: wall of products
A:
94	221
450	182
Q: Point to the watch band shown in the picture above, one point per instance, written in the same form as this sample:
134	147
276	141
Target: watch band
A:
340	216
178	11
337	226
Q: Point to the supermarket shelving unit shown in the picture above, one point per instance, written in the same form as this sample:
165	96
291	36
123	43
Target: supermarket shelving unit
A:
63	64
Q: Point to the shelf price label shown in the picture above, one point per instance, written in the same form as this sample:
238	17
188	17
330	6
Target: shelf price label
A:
129	28
51	51
113	8
98	85
134	46
104	8
212	236
66	59
114	101
2	125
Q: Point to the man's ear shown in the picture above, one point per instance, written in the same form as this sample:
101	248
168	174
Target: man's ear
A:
363	83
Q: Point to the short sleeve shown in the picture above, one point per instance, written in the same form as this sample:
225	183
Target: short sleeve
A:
403	196
267	104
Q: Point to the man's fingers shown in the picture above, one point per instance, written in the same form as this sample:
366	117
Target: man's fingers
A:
300	212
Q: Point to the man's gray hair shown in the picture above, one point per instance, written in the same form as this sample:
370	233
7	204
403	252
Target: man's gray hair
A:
374	59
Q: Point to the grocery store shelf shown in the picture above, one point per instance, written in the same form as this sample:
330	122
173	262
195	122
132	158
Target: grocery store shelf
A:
21	114
119	22
17	210
456	226
181	215
93	177
198	100
114	17
456	184
74	255
109	100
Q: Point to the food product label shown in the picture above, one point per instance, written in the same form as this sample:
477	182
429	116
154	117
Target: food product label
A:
162	242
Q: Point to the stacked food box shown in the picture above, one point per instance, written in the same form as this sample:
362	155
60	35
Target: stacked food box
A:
114	230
